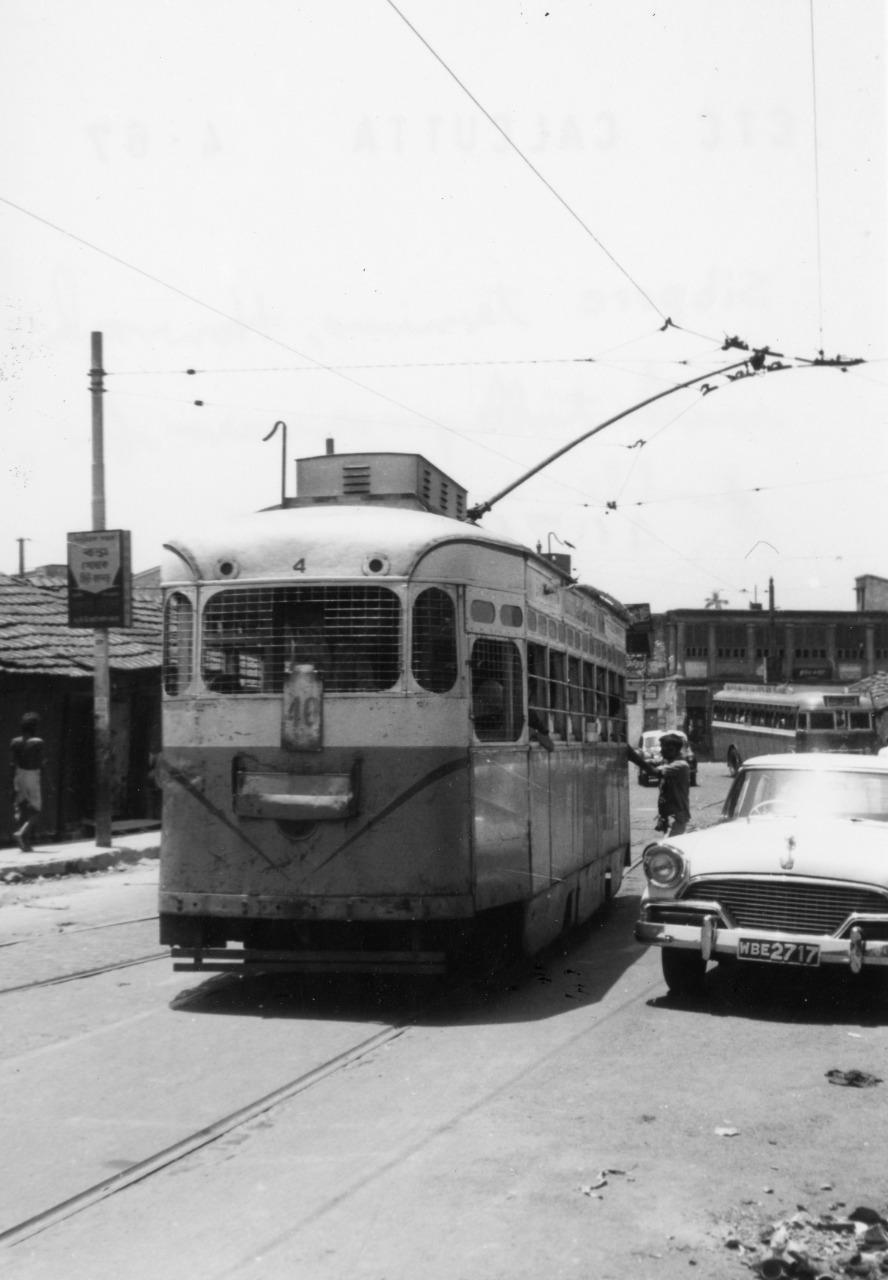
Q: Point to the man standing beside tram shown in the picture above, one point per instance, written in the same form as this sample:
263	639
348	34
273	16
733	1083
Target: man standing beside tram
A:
674	776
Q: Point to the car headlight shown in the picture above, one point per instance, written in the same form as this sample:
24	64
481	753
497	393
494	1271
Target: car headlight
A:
664	866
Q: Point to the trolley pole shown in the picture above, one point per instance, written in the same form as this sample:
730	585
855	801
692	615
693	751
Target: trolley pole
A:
101	659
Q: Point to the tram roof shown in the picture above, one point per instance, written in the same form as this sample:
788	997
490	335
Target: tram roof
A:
335	541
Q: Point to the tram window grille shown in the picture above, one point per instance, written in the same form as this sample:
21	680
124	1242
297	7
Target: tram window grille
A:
575	698
252	636
178	643
616	707
558	692
433	657
497	690
537	688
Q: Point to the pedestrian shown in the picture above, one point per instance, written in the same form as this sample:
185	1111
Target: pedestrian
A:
674	775
26	753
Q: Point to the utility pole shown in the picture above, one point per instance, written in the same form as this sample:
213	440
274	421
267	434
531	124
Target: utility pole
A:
771	672
101	657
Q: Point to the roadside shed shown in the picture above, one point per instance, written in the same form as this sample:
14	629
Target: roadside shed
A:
47	666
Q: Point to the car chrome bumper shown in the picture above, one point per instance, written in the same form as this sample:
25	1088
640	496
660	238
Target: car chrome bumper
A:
708	934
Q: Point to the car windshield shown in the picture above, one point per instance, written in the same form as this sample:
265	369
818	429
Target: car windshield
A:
808	793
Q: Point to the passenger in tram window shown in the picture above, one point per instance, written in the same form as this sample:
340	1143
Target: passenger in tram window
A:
305	641
488	706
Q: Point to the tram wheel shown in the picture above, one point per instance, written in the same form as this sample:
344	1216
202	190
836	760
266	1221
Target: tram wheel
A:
734	761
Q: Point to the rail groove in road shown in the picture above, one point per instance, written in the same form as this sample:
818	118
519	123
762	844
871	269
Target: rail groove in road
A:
83	928
202	1137
85	973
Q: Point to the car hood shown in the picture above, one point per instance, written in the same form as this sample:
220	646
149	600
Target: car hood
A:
832	848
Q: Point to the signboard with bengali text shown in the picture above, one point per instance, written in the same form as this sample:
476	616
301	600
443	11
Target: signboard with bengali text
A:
99	579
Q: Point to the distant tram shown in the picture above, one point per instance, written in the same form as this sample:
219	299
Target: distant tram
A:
387	733
753	719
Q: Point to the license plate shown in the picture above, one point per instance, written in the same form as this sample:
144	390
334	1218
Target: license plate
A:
803	953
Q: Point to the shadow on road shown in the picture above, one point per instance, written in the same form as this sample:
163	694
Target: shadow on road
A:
578	970
766	993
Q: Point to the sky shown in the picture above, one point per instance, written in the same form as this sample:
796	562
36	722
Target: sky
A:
475	231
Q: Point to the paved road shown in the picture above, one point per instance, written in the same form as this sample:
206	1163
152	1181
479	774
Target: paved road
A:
563	1120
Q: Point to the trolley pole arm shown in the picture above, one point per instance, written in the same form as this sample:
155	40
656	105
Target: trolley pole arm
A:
754	363
475	513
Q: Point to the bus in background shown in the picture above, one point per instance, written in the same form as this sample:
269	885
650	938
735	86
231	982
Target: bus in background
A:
389	736
756	719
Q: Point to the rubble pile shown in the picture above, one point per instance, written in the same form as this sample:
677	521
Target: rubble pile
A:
826	1246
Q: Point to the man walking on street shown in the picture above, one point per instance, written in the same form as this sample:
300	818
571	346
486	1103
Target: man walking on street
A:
27	779
674	775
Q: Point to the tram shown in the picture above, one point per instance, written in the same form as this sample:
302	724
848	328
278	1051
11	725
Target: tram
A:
753	719
388	734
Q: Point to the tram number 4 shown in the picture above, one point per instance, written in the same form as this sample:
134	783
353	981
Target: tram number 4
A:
299	566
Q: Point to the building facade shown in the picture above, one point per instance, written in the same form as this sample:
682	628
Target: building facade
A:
691	653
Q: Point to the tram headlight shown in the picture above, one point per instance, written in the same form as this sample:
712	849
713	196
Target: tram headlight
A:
664	866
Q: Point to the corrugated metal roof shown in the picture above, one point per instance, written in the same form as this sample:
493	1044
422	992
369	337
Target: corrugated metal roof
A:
35	638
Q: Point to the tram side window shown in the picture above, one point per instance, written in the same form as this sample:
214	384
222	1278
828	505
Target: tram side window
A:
497	690
178	643
537	688
558	692
616	707
433	658
590	712
575	695
821	720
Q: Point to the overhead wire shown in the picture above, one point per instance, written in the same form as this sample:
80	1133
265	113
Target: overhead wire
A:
527	161
243	324
816	175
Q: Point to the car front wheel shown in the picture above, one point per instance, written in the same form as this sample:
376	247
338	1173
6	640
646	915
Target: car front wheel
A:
683	971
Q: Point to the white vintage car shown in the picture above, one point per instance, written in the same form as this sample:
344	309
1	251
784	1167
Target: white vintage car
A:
796	874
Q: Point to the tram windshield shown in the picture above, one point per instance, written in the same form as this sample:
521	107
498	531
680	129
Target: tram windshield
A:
253	635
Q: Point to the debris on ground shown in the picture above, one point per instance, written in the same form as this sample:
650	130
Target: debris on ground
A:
817	1246
853	1078
592	1188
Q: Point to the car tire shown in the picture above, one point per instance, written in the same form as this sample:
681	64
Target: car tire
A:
683	971
734	761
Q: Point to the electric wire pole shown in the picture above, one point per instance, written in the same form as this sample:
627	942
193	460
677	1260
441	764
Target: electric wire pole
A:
101	658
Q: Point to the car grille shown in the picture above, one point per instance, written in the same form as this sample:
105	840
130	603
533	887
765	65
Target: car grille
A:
791	905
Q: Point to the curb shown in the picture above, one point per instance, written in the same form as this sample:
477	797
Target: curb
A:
56	864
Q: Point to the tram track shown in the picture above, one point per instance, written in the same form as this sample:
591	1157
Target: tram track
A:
79	974
203	1137
64	932
163	1159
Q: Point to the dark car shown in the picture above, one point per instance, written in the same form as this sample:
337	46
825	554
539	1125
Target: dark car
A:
649	747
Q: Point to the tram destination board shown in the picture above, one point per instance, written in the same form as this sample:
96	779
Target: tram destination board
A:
99	579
